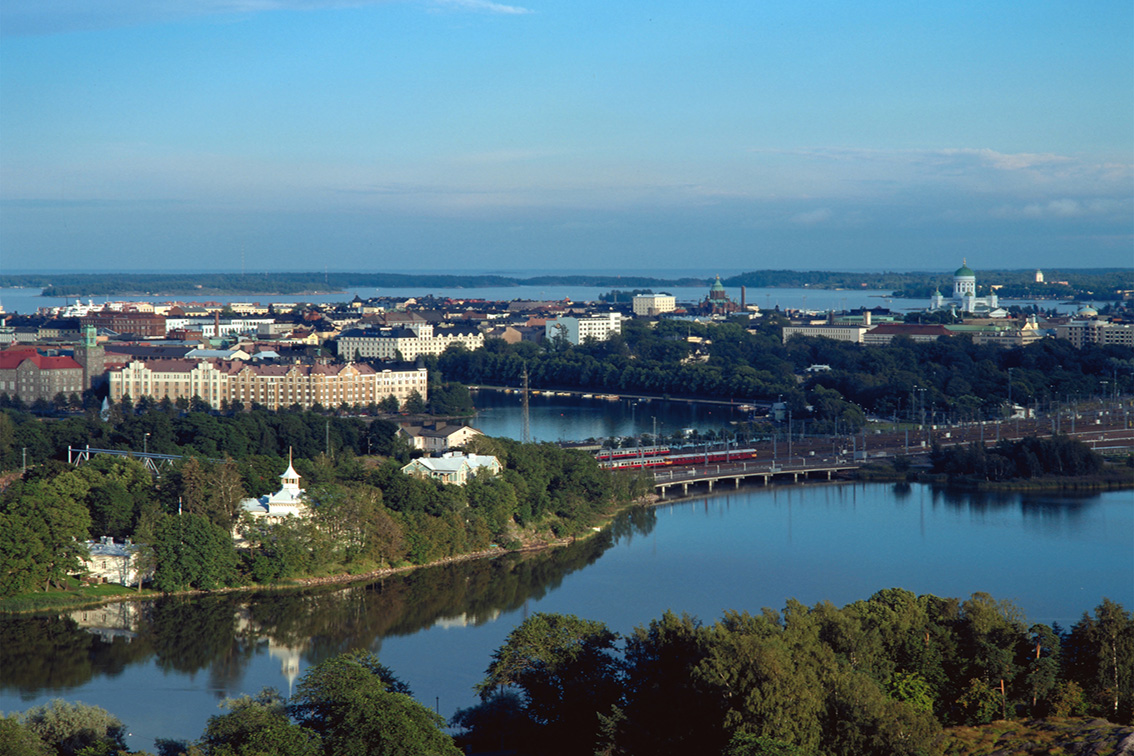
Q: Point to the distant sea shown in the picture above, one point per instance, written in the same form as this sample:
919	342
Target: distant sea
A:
26	301
29	300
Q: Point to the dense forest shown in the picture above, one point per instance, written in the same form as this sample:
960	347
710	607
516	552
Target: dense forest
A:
1027	458
882	676
950	379
367	514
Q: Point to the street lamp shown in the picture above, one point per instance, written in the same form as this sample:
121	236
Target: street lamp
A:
146	444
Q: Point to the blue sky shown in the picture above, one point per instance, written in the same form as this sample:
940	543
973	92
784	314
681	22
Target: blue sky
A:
476	135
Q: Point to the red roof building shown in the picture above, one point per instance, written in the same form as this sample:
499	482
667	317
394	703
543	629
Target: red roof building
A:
28	375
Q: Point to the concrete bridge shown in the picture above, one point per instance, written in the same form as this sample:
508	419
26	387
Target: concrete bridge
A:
735	472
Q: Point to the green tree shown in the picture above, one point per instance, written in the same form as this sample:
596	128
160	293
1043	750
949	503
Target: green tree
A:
75	728
23	555
191	552
53	512
566	671
770	681
667	709
1100	659
415	405
746	744
257	725
16	739
359	709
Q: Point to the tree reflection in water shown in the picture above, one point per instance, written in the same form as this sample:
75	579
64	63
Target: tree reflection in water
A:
222	633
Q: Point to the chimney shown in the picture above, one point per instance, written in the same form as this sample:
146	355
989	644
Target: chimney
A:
743	298
216	324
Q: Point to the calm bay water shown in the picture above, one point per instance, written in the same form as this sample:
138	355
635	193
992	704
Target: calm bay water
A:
28	300
574	418
163	666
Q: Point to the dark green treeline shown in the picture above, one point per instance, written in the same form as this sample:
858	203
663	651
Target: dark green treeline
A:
881	676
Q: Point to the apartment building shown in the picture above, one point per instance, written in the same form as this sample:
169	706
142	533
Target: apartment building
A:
1095	331
652	305
417	338
29	375
587	328
272	386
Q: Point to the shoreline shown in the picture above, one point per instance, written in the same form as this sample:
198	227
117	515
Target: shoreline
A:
301	583
649	501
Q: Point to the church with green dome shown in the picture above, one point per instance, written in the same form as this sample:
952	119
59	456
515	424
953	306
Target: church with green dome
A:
965	296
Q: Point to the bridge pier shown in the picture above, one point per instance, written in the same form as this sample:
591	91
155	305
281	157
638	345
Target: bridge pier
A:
710	485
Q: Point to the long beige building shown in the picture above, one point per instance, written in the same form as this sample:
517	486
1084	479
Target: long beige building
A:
273	386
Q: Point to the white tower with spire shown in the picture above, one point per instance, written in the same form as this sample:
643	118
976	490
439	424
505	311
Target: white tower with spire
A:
289	501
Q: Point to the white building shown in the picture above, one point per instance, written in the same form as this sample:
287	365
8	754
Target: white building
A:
652	305
406	343
853	334
286	502
110	562
587	328
438	437
453	467
964	294
1090	330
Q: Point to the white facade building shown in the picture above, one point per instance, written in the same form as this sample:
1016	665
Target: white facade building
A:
650	305
964	294
286	502
453	467
588	328
110	562
406	343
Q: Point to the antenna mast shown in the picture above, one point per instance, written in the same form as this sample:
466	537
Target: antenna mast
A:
526	432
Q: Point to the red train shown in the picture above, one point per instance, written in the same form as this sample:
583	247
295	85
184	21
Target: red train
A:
638	451
687	458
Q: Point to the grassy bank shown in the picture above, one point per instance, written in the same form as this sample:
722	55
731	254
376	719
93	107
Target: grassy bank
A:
73	596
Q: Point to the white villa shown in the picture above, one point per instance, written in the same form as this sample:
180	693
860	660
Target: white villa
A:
110	562
438	437
453	467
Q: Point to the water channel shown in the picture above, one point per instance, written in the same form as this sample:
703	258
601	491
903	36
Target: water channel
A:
163	666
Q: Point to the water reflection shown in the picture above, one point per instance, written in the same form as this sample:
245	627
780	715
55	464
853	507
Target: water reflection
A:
221	634
1064	507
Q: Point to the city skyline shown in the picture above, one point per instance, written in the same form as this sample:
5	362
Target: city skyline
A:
471	135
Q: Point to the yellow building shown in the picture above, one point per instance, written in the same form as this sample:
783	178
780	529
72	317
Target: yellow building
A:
272	386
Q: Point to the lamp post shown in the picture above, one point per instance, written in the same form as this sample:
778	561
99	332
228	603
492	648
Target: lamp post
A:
146	444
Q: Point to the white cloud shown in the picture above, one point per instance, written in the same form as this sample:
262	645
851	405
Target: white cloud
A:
483	6
39	17
1065	207
812	217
